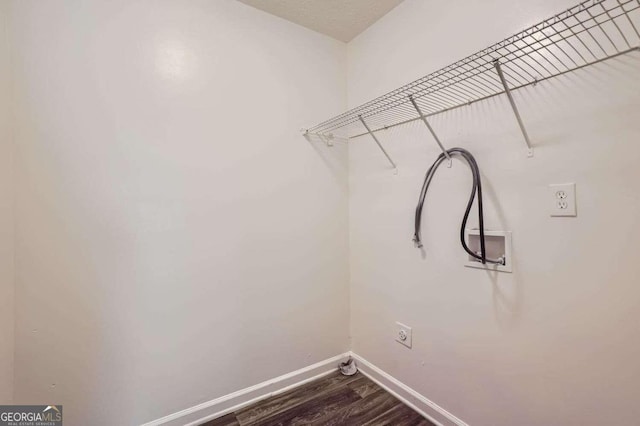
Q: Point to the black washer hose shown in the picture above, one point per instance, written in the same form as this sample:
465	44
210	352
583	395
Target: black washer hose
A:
477	187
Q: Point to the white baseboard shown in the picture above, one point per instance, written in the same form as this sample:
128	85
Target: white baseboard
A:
234	401
404	393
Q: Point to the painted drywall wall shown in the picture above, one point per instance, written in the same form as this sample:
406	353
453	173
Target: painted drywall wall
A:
556	342
177	238
6	219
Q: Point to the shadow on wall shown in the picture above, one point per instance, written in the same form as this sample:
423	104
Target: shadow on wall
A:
506	307
330	152
507	299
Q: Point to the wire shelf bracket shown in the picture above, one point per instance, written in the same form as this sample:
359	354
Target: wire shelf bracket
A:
395	168
327	139
424	120
588	33
514	107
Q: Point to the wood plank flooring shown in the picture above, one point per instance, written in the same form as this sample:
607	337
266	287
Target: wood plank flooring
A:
332	400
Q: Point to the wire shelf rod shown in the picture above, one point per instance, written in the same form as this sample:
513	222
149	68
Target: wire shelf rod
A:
514	107
378	143
433	133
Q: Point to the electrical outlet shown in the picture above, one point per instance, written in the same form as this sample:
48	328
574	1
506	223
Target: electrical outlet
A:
562	200
403	334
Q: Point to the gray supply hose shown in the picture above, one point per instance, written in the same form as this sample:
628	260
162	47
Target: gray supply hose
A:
476	188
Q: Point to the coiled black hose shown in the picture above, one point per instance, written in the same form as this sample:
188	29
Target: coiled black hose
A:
476	188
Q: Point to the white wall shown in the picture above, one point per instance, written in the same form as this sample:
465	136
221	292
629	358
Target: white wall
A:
6	219
557	342
177	238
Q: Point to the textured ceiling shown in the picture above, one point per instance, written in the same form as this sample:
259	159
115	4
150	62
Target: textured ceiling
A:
340	19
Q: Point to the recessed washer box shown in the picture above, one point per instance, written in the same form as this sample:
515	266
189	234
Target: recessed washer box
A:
497	245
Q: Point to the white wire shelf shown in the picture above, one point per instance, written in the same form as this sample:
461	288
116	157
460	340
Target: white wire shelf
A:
588	33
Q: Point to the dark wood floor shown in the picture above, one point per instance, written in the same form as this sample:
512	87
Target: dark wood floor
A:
332	400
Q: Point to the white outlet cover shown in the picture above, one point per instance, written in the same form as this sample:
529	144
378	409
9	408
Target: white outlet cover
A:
562	200
403	334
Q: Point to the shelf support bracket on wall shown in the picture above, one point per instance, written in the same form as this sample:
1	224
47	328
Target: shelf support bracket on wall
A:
424	120
327	139
379	144
496	63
